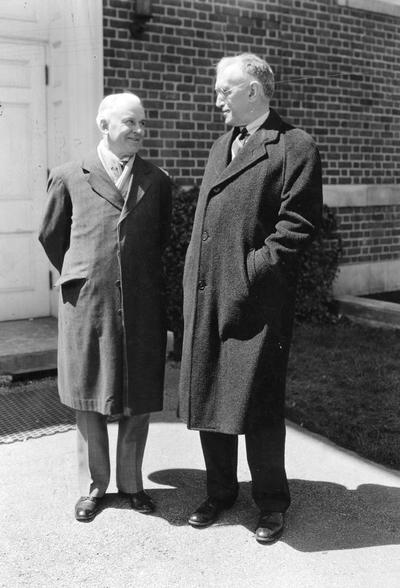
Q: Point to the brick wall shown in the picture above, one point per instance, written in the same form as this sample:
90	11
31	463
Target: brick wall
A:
344	89
171	67
337	75
337	72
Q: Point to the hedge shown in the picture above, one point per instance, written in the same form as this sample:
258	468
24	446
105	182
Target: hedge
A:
184	202
319	265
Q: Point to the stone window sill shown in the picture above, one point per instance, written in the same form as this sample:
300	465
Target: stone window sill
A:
391	7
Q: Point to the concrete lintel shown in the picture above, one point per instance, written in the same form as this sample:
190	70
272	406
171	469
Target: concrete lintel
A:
373	312
390	7
362	195
367	278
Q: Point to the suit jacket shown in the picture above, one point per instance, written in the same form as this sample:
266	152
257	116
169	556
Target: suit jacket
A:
253	217
108	251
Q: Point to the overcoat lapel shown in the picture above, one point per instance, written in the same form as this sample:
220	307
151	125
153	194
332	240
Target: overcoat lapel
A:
255	149
100	181
141	182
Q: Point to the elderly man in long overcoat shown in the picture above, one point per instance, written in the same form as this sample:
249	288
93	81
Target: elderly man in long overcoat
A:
259	205
104	229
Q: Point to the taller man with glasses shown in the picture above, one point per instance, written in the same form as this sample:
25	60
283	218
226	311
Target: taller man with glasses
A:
259	205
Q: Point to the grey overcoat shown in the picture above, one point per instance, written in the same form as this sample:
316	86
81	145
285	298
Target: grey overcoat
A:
253	217
112	328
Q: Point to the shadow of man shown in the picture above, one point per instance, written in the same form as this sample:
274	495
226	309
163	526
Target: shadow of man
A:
323	516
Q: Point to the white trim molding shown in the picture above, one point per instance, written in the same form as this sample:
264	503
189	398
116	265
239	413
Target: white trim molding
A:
391	7
362	195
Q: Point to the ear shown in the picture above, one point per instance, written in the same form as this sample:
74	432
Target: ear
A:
254	90
103	125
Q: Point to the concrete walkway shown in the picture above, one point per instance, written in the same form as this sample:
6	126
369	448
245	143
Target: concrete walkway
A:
343	528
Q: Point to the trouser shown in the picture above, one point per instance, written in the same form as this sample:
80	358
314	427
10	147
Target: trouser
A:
265	449
94	458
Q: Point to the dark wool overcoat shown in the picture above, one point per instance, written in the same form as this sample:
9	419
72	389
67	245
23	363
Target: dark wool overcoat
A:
112	328
253	217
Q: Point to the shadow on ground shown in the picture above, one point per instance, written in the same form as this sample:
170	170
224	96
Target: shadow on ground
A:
323	516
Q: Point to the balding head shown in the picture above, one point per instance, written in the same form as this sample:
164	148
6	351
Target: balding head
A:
114	102
244	86
253	67
120	119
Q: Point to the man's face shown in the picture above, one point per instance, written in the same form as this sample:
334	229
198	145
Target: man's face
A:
125	128
232	95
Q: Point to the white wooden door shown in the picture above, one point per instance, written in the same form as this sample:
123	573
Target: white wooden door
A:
24	281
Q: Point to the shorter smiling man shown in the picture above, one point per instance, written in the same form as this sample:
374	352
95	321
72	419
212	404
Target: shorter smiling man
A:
104	229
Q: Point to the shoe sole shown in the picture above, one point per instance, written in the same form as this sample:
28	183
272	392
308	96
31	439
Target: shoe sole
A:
87	519
208	524
267	541
200	525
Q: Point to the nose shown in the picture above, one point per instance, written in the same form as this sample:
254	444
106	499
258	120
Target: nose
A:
219	100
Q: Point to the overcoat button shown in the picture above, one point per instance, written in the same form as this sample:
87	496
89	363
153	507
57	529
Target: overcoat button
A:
118	283
119	311
202	285
205	236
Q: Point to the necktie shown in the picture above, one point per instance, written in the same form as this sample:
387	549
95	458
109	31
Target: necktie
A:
117	167
122	163
239	142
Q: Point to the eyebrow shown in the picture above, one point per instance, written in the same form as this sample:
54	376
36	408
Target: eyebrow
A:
131	117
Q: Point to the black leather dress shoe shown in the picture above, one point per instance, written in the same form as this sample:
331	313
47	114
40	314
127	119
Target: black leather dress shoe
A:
269	527
208	512
140	501
86	508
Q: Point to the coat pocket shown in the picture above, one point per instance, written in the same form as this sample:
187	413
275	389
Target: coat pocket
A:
237	314
246	310
71	287
70	277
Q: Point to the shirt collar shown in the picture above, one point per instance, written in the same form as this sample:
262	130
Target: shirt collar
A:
255	124
111	156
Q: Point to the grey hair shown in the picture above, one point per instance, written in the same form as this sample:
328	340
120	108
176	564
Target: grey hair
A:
108	104
254	66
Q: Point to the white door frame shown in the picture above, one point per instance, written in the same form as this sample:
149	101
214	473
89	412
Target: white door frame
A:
72	32
75	87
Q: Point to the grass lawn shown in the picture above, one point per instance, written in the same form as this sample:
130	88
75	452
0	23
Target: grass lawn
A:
344	383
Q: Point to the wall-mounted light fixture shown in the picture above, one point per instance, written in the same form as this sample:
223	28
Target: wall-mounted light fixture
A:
142	13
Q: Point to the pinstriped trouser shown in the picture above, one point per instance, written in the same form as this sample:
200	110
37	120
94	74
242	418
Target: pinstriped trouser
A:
94	458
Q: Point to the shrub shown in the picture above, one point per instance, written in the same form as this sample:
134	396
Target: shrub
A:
319	266
184	202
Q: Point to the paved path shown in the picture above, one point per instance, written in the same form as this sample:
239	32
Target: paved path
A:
343	528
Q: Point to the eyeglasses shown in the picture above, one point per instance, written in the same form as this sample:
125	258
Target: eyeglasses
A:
225	93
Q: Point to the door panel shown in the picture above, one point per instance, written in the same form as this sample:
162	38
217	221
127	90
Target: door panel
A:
24	285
